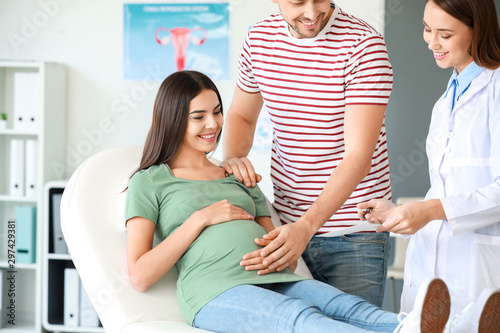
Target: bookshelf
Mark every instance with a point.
(56, 260)
(40, 88)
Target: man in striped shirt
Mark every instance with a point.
(325, 79)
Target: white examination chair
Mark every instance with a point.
(94, 230)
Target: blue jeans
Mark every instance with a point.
(307, 306)
(354, 263)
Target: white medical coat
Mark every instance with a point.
(463, 148)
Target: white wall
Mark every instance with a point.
(86, 36)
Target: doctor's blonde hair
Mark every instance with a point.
(481, 17)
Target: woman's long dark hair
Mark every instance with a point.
(170, 115)
(481, 17)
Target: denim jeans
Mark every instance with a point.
(354, 263)
(307, 306)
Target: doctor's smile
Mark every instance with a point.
(440, 56)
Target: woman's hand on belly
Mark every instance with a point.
(220, 212)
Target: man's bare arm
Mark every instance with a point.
(239, 130)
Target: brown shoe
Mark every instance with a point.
(431, 309)
(486, 316)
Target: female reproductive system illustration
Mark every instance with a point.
(180, 37)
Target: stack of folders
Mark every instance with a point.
(23, 168)
(27, 106)
(78, 309)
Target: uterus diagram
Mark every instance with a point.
(180, 37)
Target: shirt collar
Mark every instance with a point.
(464, 79)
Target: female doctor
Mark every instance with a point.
(456, 229)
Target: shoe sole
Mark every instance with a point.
(489, 321)
(436, 308)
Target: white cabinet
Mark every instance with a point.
(32, 152)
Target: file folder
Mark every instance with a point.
(27, 101)
(71, 297)
(16, 182)
(25, 234)
(30, 180)
(57, 236)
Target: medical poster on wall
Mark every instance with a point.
(165, 38)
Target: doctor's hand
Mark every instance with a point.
(376, 210)
(242, 169)
(287, 243)
(409, 218)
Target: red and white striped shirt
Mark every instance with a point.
(306, 84)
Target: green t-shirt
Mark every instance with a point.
(210, 265)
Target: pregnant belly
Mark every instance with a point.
(222, 245)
